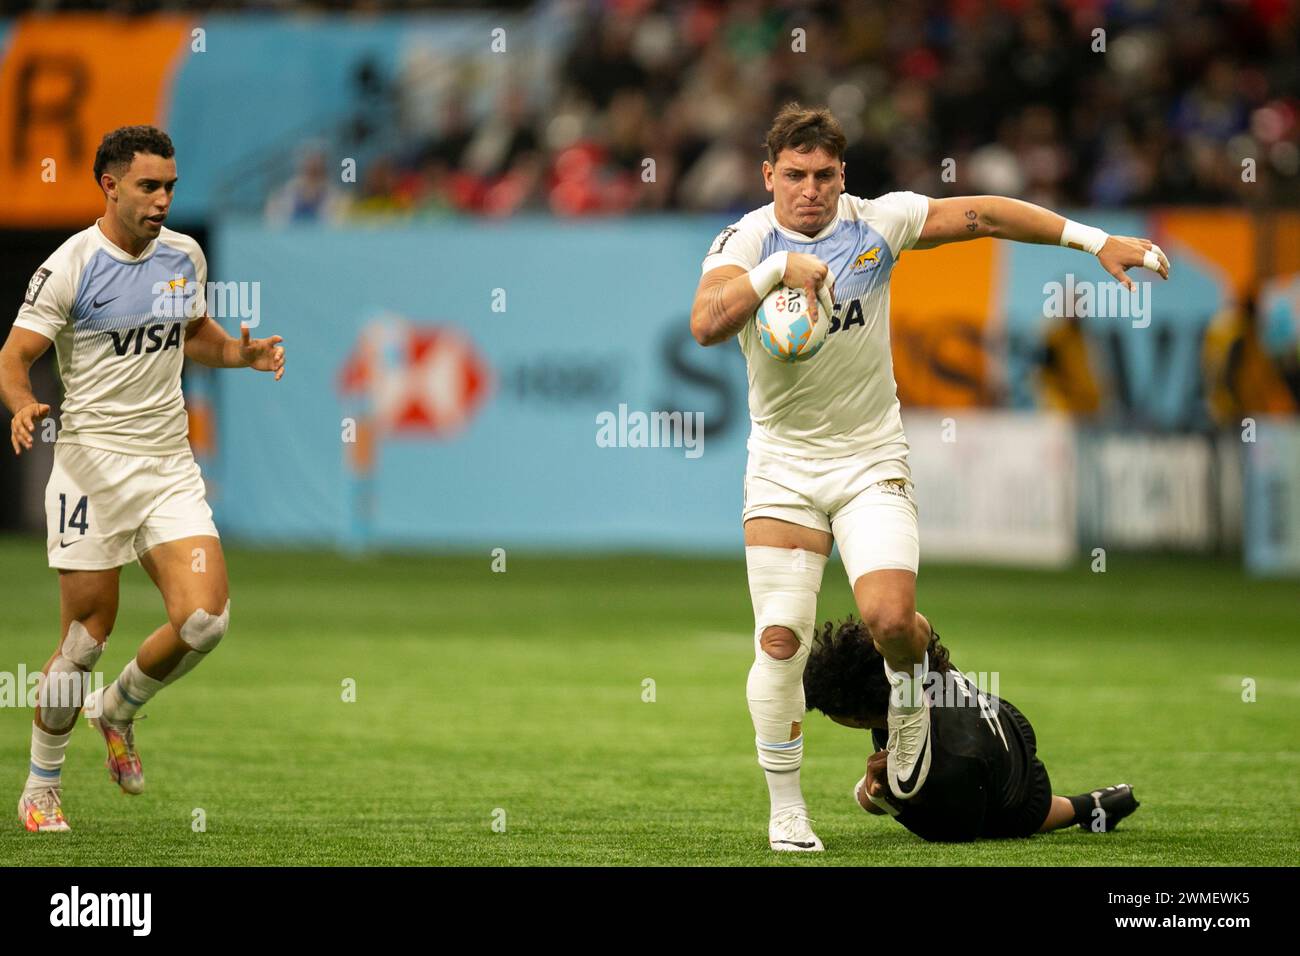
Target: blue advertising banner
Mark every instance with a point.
(531, 384)
(534, 383)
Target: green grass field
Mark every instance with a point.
(521, 692)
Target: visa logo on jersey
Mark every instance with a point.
(146, 339)
(846, 316)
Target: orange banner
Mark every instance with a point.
(65, 82)
(941, 303)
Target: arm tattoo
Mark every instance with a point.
(717, 311)
(973, 224)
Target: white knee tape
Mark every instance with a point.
(776, 701)
(204, 631)
(64, 686)
(783, 584)
(79, 647)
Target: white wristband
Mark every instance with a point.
(765, 276)
(1078, 236)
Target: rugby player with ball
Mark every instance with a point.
(827, 453)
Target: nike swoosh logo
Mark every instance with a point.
(906, 785)
(98, 304)
(68, 544)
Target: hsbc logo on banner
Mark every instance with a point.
(403, 380)
(415, 380)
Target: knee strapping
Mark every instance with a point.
(201, 633)
(783, 584)
(65, 684)
(79, 647)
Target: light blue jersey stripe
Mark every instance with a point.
(120, 295)
(857, 255)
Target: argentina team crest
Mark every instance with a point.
(867, 261)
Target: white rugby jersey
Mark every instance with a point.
(118, 327)
(844, 400)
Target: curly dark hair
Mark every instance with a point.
(845, 674)
(119, 147)
(804, 130)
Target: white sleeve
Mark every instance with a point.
(899, 217)
(740, 244)
(47, 304)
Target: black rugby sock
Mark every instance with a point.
(1082, 808)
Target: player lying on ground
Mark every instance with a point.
(124, 485)
(985, 777)
(828, 459)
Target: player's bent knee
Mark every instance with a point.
(779, 642)
(80, 647)
(97, 625)
(203, 630)
(889, 626)
(201, 633)
(783, 583)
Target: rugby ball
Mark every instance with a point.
(785, 327)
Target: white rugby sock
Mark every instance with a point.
(47, 759)
(129, 693)
(784, 790)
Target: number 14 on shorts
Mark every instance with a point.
(77, 519)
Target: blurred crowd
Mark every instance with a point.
(139, 7)
(658, 107)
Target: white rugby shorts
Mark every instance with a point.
(865, 501)
(104, 509)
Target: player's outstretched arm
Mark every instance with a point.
(21, 349)
(972, 217)
(207, 343)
